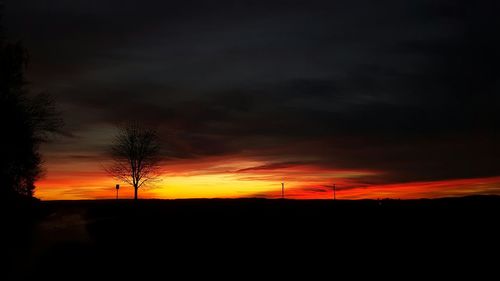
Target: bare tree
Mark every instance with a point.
(135, 154)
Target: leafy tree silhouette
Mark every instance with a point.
(26, 121)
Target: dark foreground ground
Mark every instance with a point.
(251, 238)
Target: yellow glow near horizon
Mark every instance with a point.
(209, 186)
(238, 177)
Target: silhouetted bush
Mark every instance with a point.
(25, 122)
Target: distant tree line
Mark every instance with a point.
(26, 121)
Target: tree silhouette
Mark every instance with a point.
(135, 154)
(26, 121)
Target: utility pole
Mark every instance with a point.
(334, 192)
(117, 188)
(282, 190)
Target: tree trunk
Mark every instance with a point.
(135, 192)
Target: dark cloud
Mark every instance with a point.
(272, 166)
(407, 88)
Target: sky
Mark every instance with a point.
(385, 99)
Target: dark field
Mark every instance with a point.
(216, 238)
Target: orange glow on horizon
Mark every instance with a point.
(219, 177)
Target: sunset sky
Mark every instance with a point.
(385, 99)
